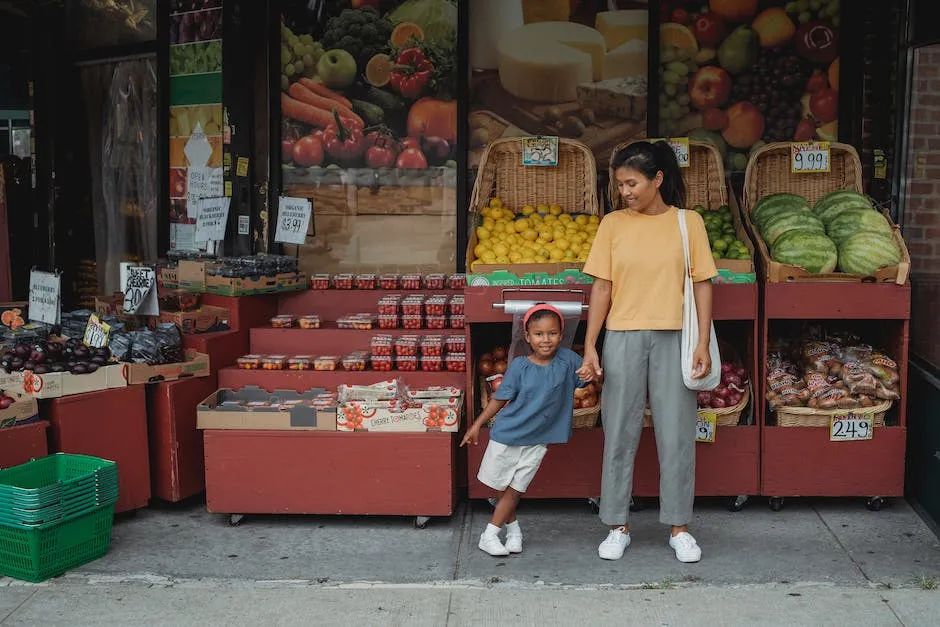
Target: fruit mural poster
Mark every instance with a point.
(571, 68)
(742, 73)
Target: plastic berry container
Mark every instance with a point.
(389, 305)
(343, 281)
(381, 345)
(458, 322)
(274, 362)
(320, 282)
(249, 362)
(362, 322)
(456, 343)
(389, 282)
(456, 362)
(412, 306)
(432, 363)
(435, 306)
(434, 281)
(300, 362)
(411, 282)
(326, 362)
(412, 322)
(455, 306)
(365, 281)
(282, 322)
(382, 363)
(389, 321)
(406, 346)
(457, 281)
(407, 363)
(355, 362)
(432, 346)
(436, 322)
(309, 322)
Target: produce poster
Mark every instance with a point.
(742, 73)
(570, 68)
(369, 129)
(195, 105)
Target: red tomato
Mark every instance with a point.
(308, 151)
(287, 151)
(412, 159)
(409, 142)
(380, 157)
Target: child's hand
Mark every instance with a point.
(471, 436)
(590, 369)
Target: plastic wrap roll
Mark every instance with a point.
(571, 310)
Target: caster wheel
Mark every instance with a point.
(737, 503)
(235, 520)
(875, 503)
(636, 505)
(421, 521)
(595, 505)
(776, 503)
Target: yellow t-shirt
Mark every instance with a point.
(641, 256)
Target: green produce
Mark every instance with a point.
(372, 114)
(363, 33)
(196, 58)
(337, 69)
(834, 203)
(773, 204)
(738, 52)
(800, 220)
(437, 18)
(810, 250)
(385, 100)
(865, 253)
(299, 57)
(853, 221)
(721, 234)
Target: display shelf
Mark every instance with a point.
(837, 301)
(223, 348)
(331, 304)
(22, 443)
(327, 340)
(301, 380)
(323, 472)
(245, 312)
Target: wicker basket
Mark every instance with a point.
(725, 417)
(580, 418)
(704, 178)
(809, 417)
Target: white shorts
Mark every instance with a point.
(510, 466)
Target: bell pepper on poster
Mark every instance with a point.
(412, 73)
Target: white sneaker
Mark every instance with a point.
(489, 542)
(514, 537)
(686, 548)
(616, 543)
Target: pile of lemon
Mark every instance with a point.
(541, 234)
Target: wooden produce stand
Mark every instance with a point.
(329, 472)
(801, 460)
(22, 443)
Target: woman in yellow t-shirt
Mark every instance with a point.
(638, 267)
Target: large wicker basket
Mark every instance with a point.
(580, 418)
(724, 417)
(768, 172)
(809, 417)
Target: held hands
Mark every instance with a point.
(590, 369)
(472, 436)
(701, 361)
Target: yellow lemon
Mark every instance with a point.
(500, 249)
(582, 257)
(563, 244)
(528, 259)
(496, 202)
(565, 218)
(489, 223)
(488, 256)
(581, 219)
(543, 209)
(479, 249)
(591, 228)
(496, 213)
(557, 254)
(528, 210)
(503, 259)
(555, 210)
(545, 234)
(569, 256)
(529, 235)
(483, 233)
(515, 257)
(594, 220)
(521, 225)
(510, 228)
(549, 220)
(575, 247)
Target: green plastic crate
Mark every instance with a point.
(49, 480)
(38, 553)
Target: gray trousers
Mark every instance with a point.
(634, 362)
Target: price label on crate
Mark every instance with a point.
(851, 427)
(680, 146)
(540, 151)
(293, 220)
(96, 332)
(706, 426)
(809, 157)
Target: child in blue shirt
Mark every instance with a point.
(541, 390)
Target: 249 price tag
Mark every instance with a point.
(706, 426)
(810, 157)
(851, 427)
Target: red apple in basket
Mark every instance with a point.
(709, 87)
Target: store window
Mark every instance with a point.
(101, 23)
(921, 202)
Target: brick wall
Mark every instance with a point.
(922, 202)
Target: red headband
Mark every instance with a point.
(542, 307)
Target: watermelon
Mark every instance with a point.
(781, 223)
(773, 204)
(811, 250)
(853, 221)
(832, 204)
(865, 253)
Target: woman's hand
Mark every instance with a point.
(590, 369)
(472, 436)
(701, 361)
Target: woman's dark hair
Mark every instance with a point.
(538, 315)
(650, 158)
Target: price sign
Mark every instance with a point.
(706, 426)
(212, 219)
(809, 157)
(293, 219)
(203, 183)
(680, 145)
(851, 427)
(540, 151)
(140, 294)
(45, 297)
(96, 332)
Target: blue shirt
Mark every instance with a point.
(541, 399)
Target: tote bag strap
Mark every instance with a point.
(684, 233)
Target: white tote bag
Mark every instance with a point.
(690, 326)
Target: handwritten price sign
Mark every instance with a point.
(96, 332)
(293, 220)
(851, 427)
(810, 157)
(140, 295)
(706, 426)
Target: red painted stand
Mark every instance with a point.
(20, 444)
(176, 453)
(798, 461)
(111, 424)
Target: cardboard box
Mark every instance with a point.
(191, 275)
(198, 320)
(236, 286)
(196, 365)
(56, 384)
(23, 409)
(227, 409)
(167, 277)
(442, 414)
(508, 278)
